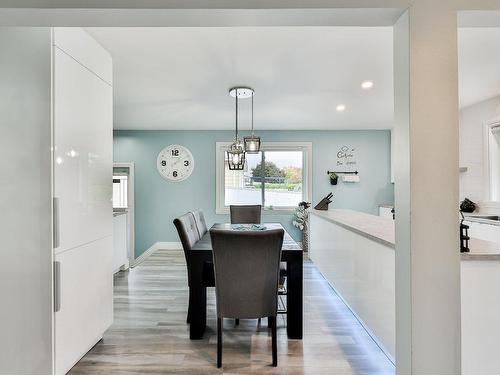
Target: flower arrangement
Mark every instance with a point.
(301, 221)
(301, 215)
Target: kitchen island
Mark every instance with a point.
(355, 252)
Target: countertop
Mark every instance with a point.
(482, 250)
(386, 205)
(470, 217)
(381, 230)
(376, 228)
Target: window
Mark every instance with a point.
(278, 177)
(493, 160)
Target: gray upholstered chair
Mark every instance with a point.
(246, 277)
(189, 235)
(201, 224)
(251, 214)
(245, 214)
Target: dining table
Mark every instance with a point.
(201, 254)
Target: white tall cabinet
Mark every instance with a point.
(82, 189)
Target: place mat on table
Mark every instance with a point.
(248, 227)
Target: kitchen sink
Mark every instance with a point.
(486, 217)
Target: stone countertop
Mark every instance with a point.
(386, 205)
(482, 250)
(470, 217)
(381, 230)
(376, 228)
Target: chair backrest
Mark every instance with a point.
(245, 214)
(246, 272)
(201, 224)
(188, 234)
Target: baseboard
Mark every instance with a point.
(169, 245)
(156, 246)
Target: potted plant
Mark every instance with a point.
(334, 178)
(301, 221)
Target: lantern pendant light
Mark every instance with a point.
(235, 156)
(252, 142)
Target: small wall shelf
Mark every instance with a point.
(328, 172)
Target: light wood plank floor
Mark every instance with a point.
(150, 336)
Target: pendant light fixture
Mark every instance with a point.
(252, 143)
(235, 156)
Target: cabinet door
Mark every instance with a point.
(82, 153)
(86, 301)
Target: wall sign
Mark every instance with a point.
(346, 157)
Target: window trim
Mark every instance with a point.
(306, 147)
(487, 192)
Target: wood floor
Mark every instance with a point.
(150, 335)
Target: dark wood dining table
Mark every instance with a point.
(291, 253)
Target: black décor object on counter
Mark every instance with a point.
(467, 206)
(464, 236)
(323, 204)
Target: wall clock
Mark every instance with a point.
(175, 163)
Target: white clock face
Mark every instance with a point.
(175, 163)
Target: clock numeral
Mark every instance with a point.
(163, 163)
(175, 152)
(174, 173)
(186, 163)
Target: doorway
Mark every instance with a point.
(123, 216)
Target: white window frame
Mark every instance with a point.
(305, 147)
(488, 203)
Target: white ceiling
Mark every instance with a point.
(479, 64)
(178, 78)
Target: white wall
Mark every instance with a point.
(25, 201)
(472, 119)
(427, 256)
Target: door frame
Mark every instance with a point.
(131, 209)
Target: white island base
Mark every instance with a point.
(355, 252)
(360, 269)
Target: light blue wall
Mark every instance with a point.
(158, 202)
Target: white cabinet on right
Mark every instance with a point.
(385, 211)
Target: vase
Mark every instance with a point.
(305, 235)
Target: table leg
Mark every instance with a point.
(295, 271)
(198, 300)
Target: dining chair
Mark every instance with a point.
(201, 224)
(246, 278)
(189, 235)
(245, 214)
(251, 214)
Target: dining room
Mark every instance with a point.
(231, 148)
(211, 188)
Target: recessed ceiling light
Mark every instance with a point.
(366, 85)
(340, 108)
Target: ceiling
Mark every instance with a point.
(178, 78)
(479, 64)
